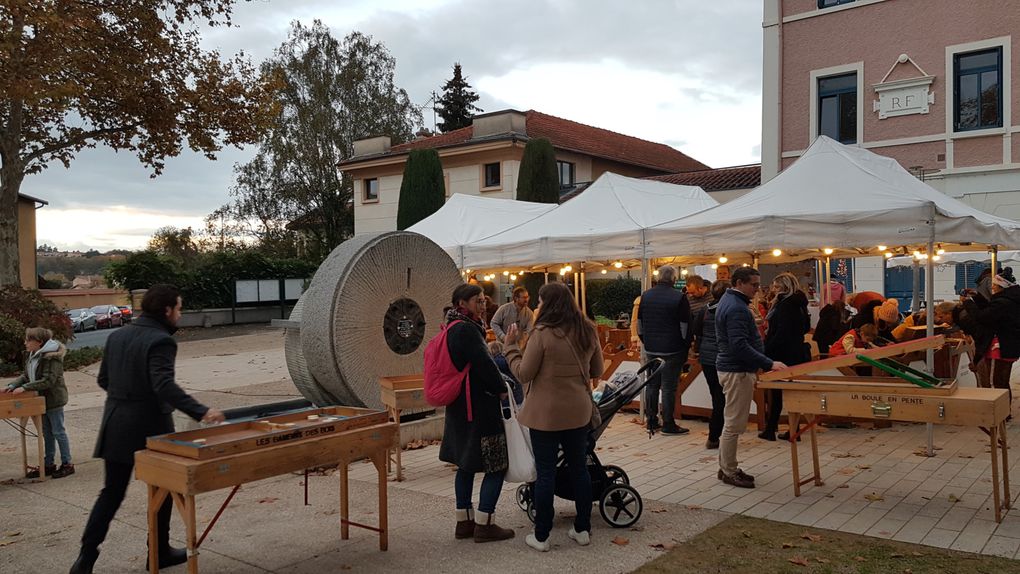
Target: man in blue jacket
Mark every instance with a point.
(741, 354)
(663, 317)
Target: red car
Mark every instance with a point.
(126, 314)
(108, 316)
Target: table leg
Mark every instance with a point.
(37, 420)
(383, 503)
(814, 451)
(1005, 465)
(399, 448)
(994, 438)
(345, 507)
(23, 421)
(155, 500)
(185, 504)
(794, 424)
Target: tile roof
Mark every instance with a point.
(577, 137)
(737, 177)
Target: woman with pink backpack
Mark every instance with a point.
(473, 436)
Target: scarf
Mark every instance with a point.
(462, 314)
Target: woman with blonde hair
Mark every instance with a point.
(562, 357)
(788, 321)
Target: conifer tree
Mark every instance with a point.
(457, 104)
(538, 180)
(422, 191)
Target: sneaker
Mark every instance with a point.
(737, 480)
(582, 538)
(674, 430)
(711, 444)
(536, 544)
(64, 470)
(786, 436)
(33, 471)
(739, 473)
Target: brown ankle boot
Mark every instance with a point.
(486, 531)
(465, 524)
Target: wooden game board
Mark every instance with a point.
(23, 406)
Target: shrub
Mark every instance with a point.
(538, 179)
(27, 308)
(83, 357)
(142, 270)
(422, 190)
(610, 297)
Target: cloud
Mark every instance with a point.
(682, 72)
(103, 229)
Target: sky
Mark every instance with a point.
(686, 73)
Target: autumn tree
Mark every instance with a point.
(538, 180)
(457, 104)
(331, 93)
(422, 189)
(127, 74)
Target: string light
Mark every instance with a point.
(683, 271)
(715, 266)
(513, 277)
(656, 272)
(521, 272)
(888, 255)
(777, 252)
(568, 268)
(827, 251)
(882, 248)
(940, 251)
(506, 273)
(743, 264)
(563, 271)
(604, 271)
(935, 257)
(618, 264)
(723, 259)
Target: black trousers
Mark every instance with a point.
(773, 409)
(715, 424)
(118, 477)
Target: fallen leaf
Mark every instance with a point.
(864, 466)
(845, 455)
(268, 500)
(965, 456)
(798, 560)
(708, 459)
(916, 553)
(811, 537)
(7, 543)
(621, 541)
(15, 533)
(788, 545)
(639, 454)
(874, 497)
(662, 546)
(895, 555)
(847, 470)
(747, 533)
(693, 507)
(419, 443)
(843, 486)
(659, 510)
(638, 529)
(908, 571)
(823, 560)
(860, 559)
(953, 498)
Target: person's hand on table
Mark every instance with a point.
(512, 335)
(18, 390)
(777, 365)
(213, 416)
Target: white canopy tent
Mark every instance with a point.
(465, 219)
(1002, 257)
(835, 196)
(613, 206)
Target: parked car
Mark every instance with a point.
(126, 313)
(108, 316)
(82, 320)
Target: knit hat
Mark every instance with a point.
(889, 311)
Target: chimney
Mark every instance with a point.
(499, 123)
(372, 146)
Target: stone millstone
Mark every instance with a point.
(372, 306)
(298, 368)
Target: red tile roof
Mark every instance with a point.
(573, 136)
(738, 177)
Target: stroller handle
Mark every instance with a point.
(654, 365)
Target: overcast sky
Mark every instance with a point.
(686, 73)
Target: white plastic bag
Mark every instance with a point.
(521, 459)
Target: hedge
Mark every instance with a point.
(610, 297)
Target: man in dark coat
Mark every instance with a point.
(996, 321)
(137, 374)
(665, 317)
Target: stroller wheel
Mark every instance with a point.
(616, 475)
(532, 511)
(523, 496)
(620, 505)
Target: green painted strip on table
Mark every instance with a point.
(895, 372)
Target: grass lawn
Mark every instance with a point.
(752, 545)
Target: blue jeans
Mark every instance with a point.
(464, 484)
(546, 445)
(53, 428)
(667, 381)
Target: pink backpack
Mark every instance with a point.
(442, 379)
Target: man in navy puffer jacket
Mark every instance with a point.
(664, 318)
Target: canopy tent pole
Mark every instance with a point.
(929, 297)
(915, 303)
(545, 275)
(995, 259)
(584, 293)
(828, 274)
(818, 281)
(754, 260)
(577, 292)
(645, 271)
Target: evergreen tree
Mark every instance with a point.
(422, 191)
(457, 104)
(538, 180)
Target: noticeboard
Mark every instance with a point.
(268, 290)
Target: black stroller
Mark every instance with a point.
(619, 504)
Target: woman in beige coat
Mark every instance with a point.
(562, 356)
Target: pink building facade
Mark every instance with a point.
(934, 84)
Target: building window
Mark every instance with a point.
(566, 171)
(837, 107)
(977, 90)
(371, 192)
(831, 3)
(491, 174)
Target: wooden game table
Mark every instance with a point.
(23, 406)
(809, 398)
(185, 464)
(398, 394)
